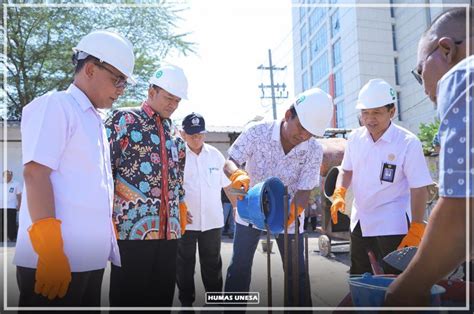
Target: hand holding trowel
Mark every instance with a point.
(400, 258)
(240, 183)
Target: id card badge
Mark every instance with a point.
(174, 153)
(388, 172)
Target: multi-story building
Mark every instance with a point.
(340, 45)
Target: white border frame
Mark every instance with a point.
(338, 5)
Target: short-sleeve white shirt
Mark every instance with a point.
(13, 188)
(382, 206)
(260, 148)
(63, 131)
(203, 180)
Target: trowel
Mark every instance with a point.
(400, 259)
(238, 192)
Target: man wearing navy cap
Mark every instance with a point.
(203, 180)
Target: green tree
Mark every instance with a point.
(40, 39)
(426, 135)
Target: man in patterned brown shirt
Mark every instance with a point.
(148, 157)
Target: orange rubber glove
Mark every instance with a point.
(291, 217)
(240, 179)
(338, 203)
(183, 216)
(115, 230)
(53, 273)
(414, 235)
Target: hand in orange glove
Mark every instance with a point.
(338, 203)
(291, 217)
(53, 273)
(240, 179)
(414, 235)
(185, 217)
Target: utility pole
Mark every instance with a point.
(282, 93)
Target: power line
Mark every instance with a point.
(280, 88)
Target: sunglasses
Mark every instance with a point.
(120, 80)
(418, 71)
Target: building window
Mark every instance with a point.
(336, 53)
(319, 69)
(340, 114)
(316, 17)
(333, 1)
(394, 40)
(325, 86)
(304, 58)
(302, 10)
(303, 34)
(335, 25)
(318, 42)
(304, 81)
(338, 83)
(395, 62)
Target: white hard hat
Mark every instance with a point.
(109, 47)
(376, 93)
(172, 79)
(315, 109)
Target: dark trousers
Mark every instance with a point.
(84, 289)
(381, 246)
(239, 272)
(12, 228)
(147, 276)
(304, 289)
(209, 244)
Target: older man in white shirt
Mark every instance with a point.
(203, 180)
(66, 235)
(386, 167)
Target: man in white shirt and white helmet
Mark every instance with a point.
(386, 167)
(66, 235)
(288, 150)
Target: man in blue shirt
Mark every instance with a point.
(446, 73)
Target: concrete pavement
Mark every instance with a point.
(328, 276)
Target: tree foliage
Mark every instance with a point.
(40, 41)
(427, 136)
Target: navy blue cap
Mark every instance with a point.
(194, 123)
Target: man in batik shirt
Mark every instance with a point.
(148, 157)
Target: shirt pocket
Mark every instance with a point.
(214, 174)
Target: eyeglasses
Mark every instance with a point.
(120, 81)
(418, 71)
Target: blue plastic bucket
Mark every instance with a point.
(251, 208)
(368, 290)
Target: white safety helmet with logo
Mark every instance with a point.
(110, 47)
(376, 93)
(315, 110)
(172, 79)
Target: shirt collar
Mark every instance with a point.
(276, 130)
(387, 136)
(204, 149)
(152, 114)
(276, 136)
(80, 97)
